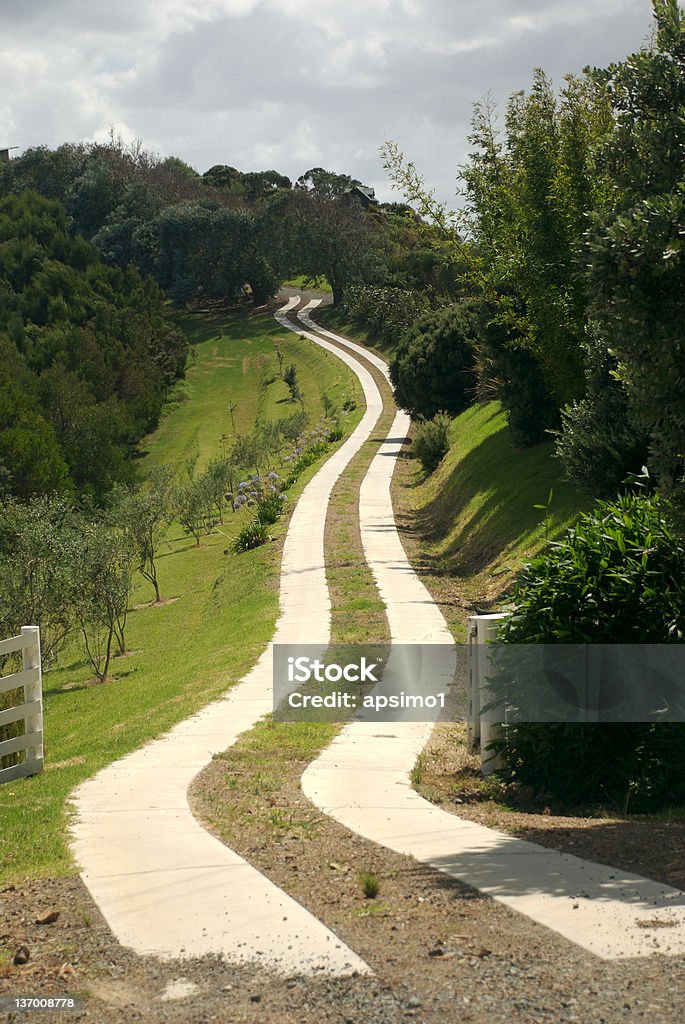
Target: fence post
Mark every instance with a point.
(34, 691)
(490, 722)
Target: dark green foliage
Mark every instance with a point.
(510, 371)
(387, 313)
(432, 441)
(529, 186)
(433, 369)
(617, 577)
(40, 556)
(87, 356)
(312, 233)
(290, 378)
(601, 442)
(210, 252)
(635, 254)
(270, 508)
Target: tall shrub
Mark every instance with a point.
(617, 577)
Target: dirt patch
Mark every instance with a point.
(162, 601)
(438, 948)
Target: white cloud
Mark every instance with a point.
(287, 83)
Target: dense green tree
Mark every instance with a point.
(40, 563)
(325, 184)
(433, 370)
(88, 355)
(211, 252)
(635, 253)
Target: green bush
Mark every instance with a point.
(253, 535)
(434, 365)
(385, 312)
(617, 577)
(432, 441)
(270, 508)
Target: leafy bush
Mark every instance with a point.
(432, 441)
(250, 536)
(617, 577)
(507, 370)
(531, 412)
(387, 313)
(600, 442)
(291, 379)
(270, 508)
(434, 365)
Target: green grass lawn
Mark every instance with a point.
(320, 284)
(188, 651)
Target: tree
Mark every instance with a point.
(103, 590)
(211, 252)
(40, 562)
(325, 184)
(317, 236)
(635, 254)
(433, 369)
(145, 516)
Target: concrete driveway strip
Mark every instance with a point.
(166, 886)
(362, 780)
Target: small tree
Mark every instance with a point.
(145, 517)
(103, 592)
(290, 378)
(39, 561)
(433, 369)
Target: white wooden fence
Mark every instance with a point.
(31, 711)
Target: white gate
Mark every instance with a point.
(29, 680)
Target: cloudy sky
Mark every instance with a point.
(290, 84)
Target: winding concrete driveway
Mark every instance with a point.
(167, 887)
(164, 884)
(362, 779)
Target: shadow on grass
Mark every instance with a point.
(491, 493)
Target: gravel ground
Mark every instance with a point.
(440, 952)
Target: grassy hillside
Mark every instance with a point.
(235, 360)
(470, 524)
(222, 609)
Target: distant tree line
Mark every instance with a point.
(226, 233)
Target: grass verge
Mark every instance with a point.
(468, 526)
(247, 787)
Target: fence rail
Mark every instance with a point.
(30, 711)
